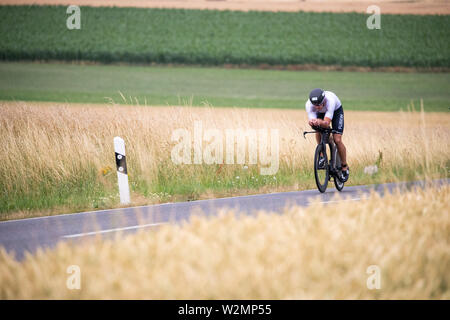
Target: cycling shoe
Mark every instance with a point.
(344, 174)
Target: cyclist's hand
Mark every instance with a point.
(314, 123)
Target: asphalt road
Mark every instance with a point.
(20, 236)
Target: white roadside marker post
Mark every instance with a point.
(122, 175)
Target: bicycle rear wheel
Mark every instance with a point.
(338, 183)
(321, 175)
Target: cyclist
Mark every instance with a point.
(323, 108)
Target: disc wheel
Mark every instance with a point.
(338, 183)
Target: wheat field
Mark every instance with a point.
(319, 252)
(63, 151)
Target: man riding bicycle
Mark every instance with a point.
(323, 108)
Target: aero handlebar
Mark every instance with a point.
(317, 129)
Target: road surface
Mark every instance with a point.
(20, 236)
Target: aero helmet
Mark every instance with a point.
(316, 96)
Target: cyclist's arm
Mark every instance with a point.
(312, 116)
(325, 123)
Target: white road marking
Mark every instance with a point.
(112, 230)
(109, 211)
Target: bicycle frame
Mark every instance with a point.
(324, 140)
(334, 156)
(334, 161)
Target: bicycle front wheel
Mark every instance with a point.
(321, 174)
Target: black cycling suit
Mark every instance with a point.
(337, 123)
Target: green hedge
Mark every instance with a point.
(221, 37)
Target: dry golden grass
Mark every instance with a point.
(321, 252)
(44, 145)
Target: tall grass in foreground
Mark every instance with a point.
(321, 252)
(57, 157)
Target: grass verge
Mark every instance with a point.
(59, 158)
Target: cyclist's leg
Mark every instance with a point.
(318, 135)
(341, 149)
(344, 173)
(338, 130)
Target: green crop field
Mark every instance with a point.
(220, 37)
(371, 91)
